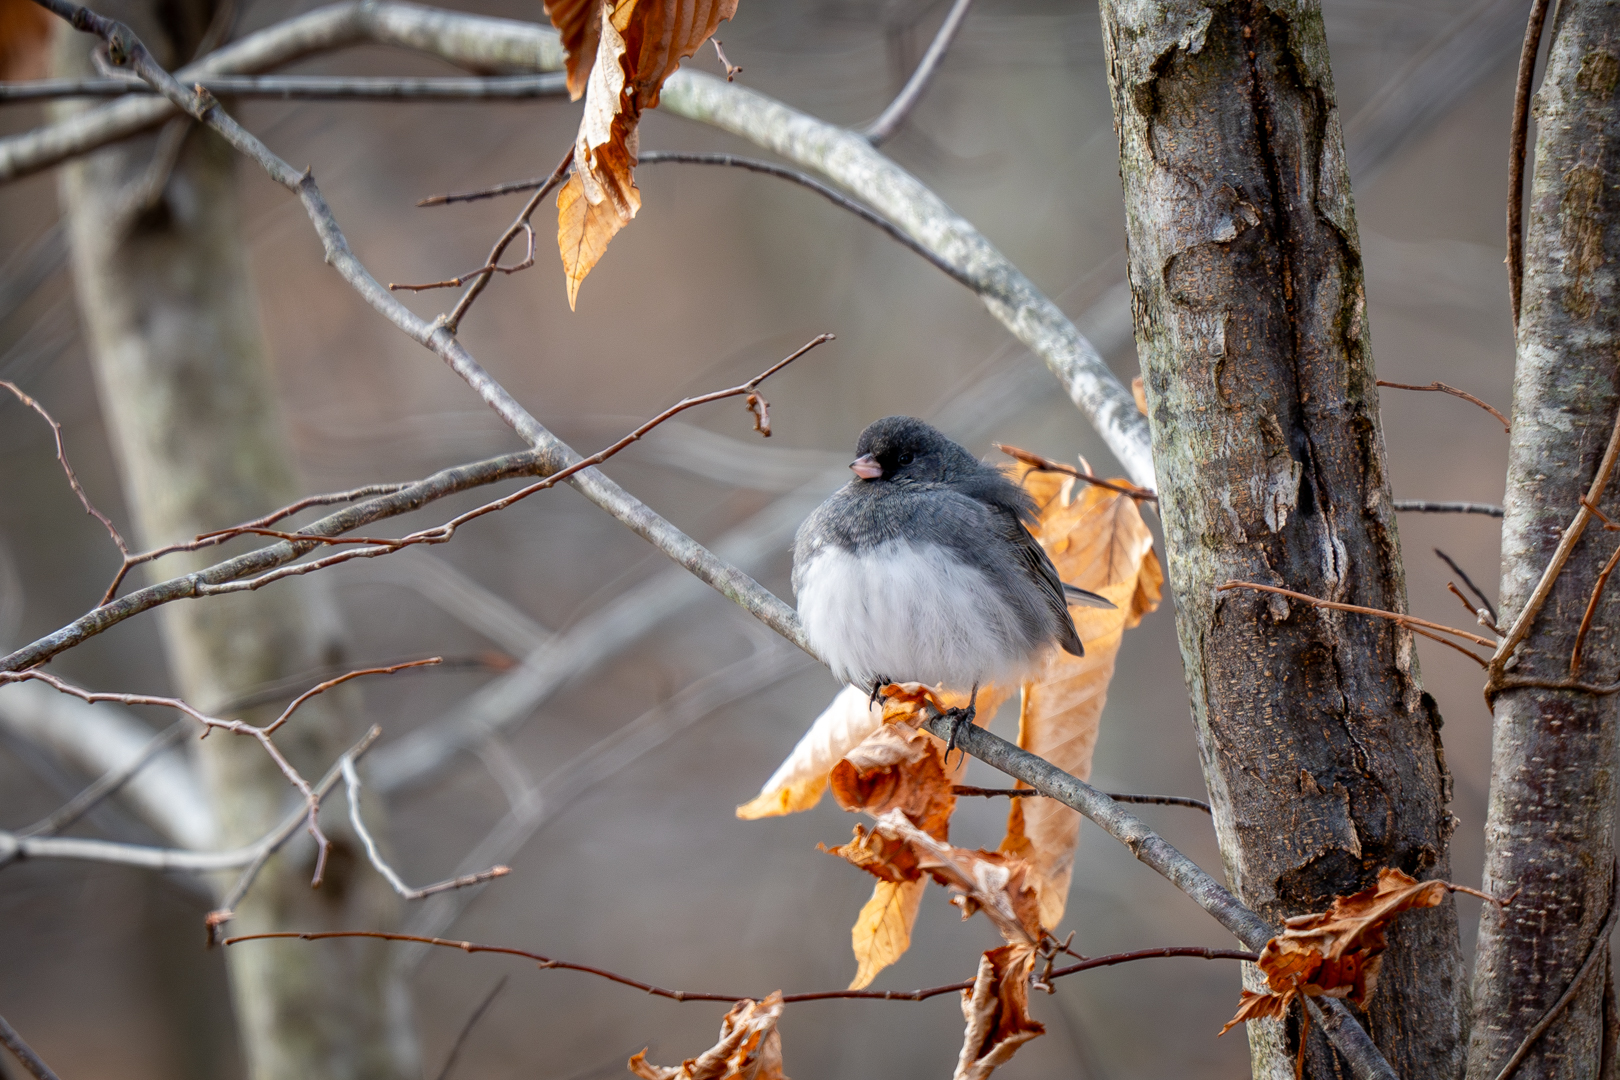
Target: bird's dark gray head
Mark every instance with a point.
(901, 448)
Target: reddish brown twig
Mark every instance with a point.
(1478, 613)
(219, 536)
(787, 999)
(1044, 464)
(1410, 621)
(732, 70)
(1479, 594)
(519, 224)
(312, 800)
(1516, 152)
(439, 534)
(1591, 609)
(489, 268)
(61, 457)
(1454, 392)
(322, 688)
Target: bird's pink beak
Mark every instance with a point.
(866, 467)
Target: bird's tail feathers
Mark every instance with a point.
(1085, 597)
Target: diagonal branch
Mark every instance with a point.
(883, 128)
(310, 88)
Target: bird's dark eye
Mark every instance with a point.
(904, 459)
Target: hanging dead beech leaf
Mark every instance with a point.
(25, 39)
(844, 724)
(1335, 953)
(997, 1012)
(750, 1048)
(1098, 541)
(619, 52)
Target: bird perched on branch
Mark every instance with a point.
(922, 569)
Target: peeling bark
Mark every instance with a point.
(1550, 828)
(1320, 749)
(186, 391)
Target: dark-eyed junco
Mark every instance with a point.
(921, 569)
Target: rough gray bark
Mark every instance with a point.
(1551, 819)
(185, 388)
(1320, 749)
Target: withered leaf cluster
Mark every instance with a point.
(619, 52)
(1335, 953)
(876, 760)
(750, 1048)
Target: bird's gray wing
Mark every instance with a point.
(1032, 561)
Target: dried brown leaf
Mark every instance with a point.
(634, 46)
(1337, 953)
(882, 931)
(25, 39)
(1253, 1006)
(750, 1048)
(897, 767)
(997, 1012)
(1139, 392)
(1098, 541)
(987, 881)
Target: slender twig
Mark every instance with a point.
(24, 1053)
(310, 88)
(883, 128)
(61, 458)
(439, 534)
(1454, 392)
(489, 268)
(520, 224)
(1045, 464)
(1469, 582)
(1598, 952)
(1478, 613)
(322, 688)
(1517, 143)
(1409, 621)
(219, 536)
(1591, 610)
(472, 1022)
(351, 780)
(1120, 797)
(1424, 506)
(1555, 566)
(547, 962)
(1511, 682)
(107, 784)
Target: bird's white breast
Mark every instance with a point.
(908, 612)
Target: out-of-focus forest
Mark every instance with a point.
(643, 868)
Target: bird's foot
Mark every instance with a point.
(877, 689)
(959, 718)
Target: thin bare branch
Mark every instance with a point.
(1591, 610)
(481, 276)
(321, 688)
(1484, 600)
(466, 1028)
(24, 1053)
(310, 88)
(1423, 506)
(107, 785)
(1410, 621)
(1454, 392)
(1516, 151)
(732, 70)
(61, 458)
(1555, 566)
(351, 779)
(488, 268)
(1119, 797)
(547, 962)
(883, 128)
(1045, 464)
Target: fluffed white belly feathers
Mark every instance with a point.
(909, 613)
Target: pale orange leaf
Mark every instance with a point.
(798, 782)
(1098, 541)
(882, 931)
(997, 1012)
(25, 39)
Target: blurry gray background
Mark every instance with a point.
(648, 872)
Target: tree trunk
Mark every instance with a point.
(1321, 751)
(1551, 819)
(186, 391)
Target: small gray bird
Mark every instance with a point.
(922, 569)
